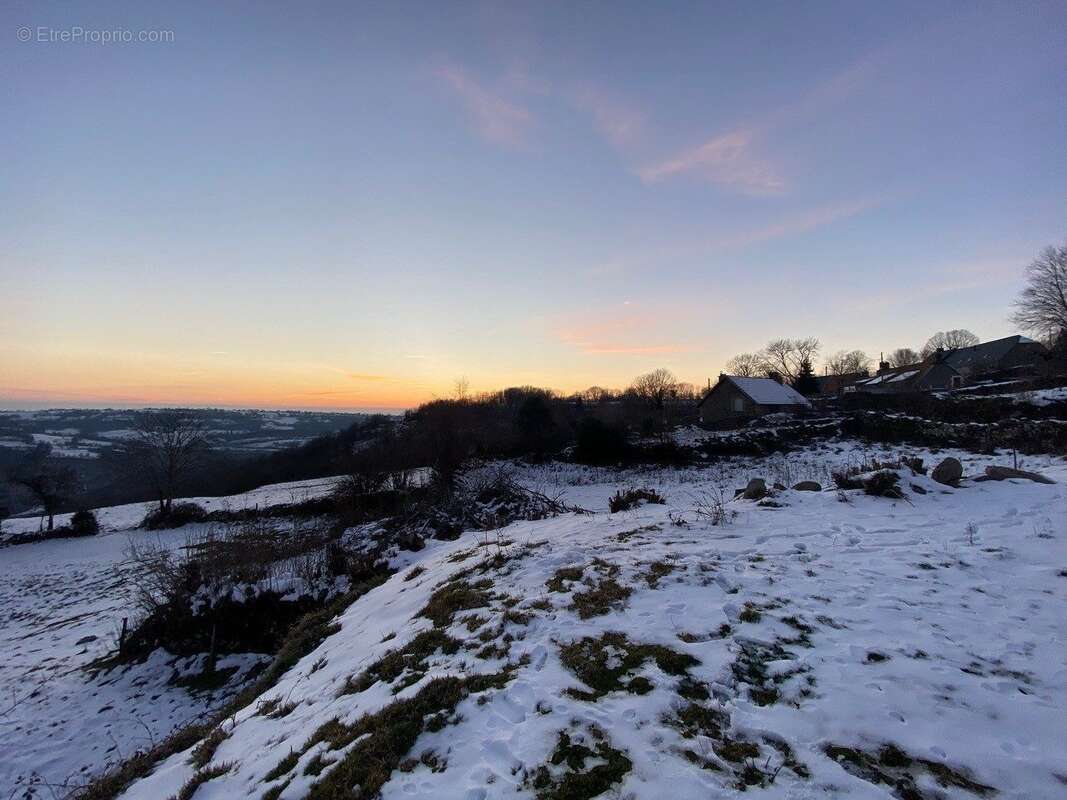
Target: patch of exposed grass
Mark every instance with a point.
(750, 613)
(656, 571)
(414, 572)
(205, 751)
(735, 751)
(412, 659)
(603, 664)
(891, 766)
(453, 597)
(563, 576)
(694, 719)
(275, 708)
(569, 777)
(387, 736)
(750, 668)
(601, 598)
(201, 777)
(283, 767)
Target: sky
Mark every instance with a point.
(353, 205)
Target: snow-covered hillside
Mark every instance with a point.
(129, 515)
(823, 645)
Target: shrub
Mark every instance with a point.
(84, 523)
(624, 501)
(600, 444)
(178, 515)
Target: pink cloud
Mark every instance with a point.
(495, 118)
(625, 333)
(619, 123)
(729, 160)
(792, 225)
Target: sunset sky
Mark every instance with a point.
(351, 205)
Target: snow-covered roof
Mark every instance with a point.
(903, 376)
(768, 392)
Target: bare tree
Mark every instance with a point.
(847, 362)
(902, 357)
(596, 394)
(1042, 306)
(785, 356)
(461, 390)
(655, 387)
(166, 448)
(949, 340)
(51, 483)
(746, 365)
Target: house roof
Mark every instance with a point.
(985, 355)
(765, 391)
(900, 376)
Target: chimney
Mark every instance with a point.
(883, 367)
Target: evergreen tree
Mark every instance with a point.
(805, 382)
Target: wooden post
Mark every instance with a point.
(122, 636)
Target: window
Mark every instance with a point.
(957, 381)
(739, 404)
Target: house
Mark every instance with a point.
(734, 399)
(922, 377)
(1011, 354)
(833, 385)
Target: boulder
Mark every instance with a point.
(948, 472)
(995, 473)
(756, 489)
(807, 486)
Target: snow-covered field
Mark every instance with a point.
(816, 647)
(128, 516)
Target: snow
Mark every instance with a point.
(61, 607)
(769, 392)
(903, 376)
(129, 516)
(961, 590)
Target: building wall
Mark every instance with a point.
(725, 402)
(939, 376)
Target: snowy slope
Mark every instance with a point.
(933, 624)
(125, 517)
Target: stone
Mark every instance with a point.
(807, 486)
(948, 472)
(995, 473)
(756, 489)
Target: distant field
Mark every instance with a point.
(84, 434)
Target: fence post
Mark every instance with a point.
(122, 636)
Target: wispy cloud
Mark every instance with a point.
(792, 225)
(627, 332)
(495, 118)
(360, 376)
(621, 124)
(729, 160)
(737, 159)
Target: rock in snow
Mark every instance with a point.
(756, 489)
(996, 473)
(948, 472)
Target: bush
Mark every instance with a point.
(179, 514)
(84, 523)
(624, 501)
(600, 444)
